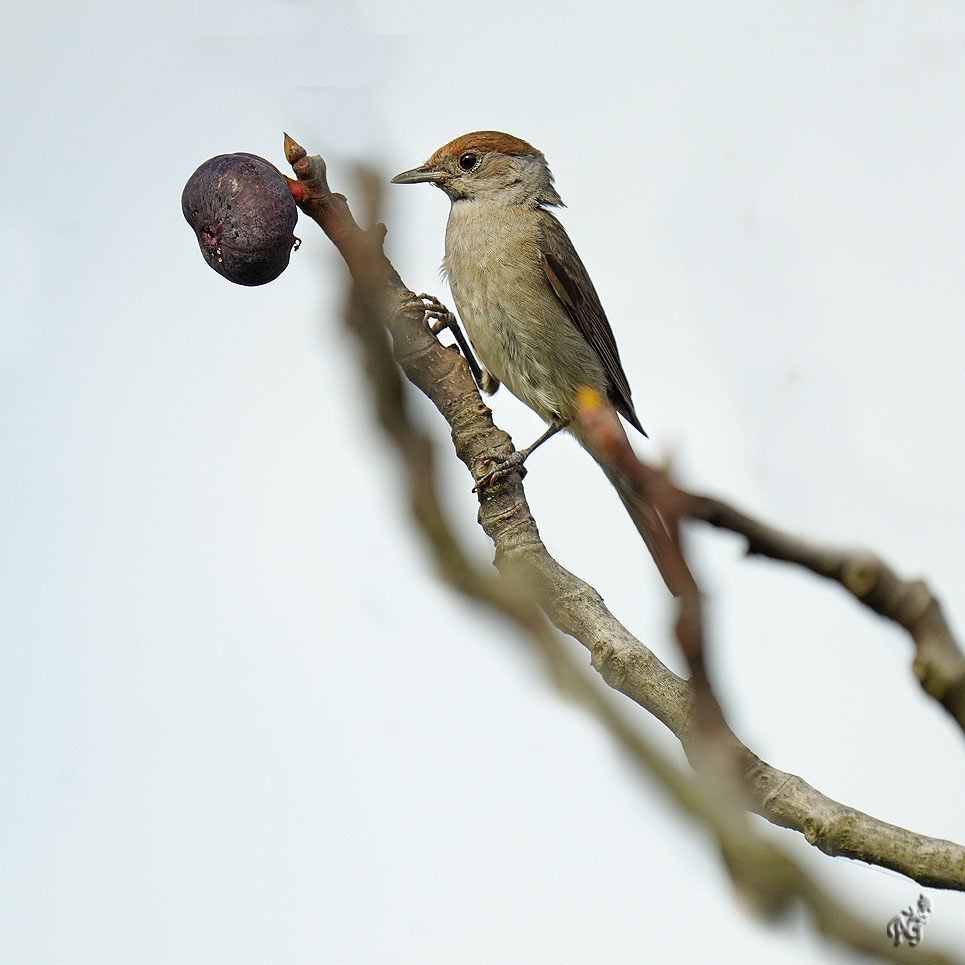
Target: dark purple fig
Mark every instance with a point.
(243, 213)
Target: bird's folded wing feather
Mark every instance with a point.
(572, 285)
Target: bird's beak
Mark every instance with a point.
(418, 175)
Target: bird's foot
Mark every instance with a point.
(500, 469)
(439, 318)
(515, 462)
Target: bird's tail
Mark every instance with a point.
(647, 521)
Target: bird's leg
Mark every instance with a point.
(443, 318)
(516, 460)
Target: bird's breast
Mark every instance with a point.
(492, 259)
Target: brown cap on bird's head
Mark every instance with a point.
(483, 141)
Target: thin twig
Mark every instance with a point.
(939, 663)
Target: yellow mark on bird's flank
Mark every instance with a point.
(588, 399)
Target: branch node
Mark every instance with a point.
(861, 574)
(599, 655)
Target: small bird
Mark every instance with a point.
(527, 303)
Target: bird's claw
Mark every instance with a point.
(442, 318)
(432, 308)
(513, 464)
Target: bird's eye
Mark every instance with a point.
(468, 161)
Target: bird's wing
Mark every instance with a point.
(571, 283)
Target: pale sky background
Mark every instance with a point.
(240, 722)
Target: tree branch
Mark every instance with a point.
(760, 871)
(939, 663)
(571, 604)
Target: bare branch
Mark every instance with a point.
(781, 798)
(760, 871)
(571, 604)
(939, 663)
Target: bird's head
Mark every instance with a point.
(490, 166)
